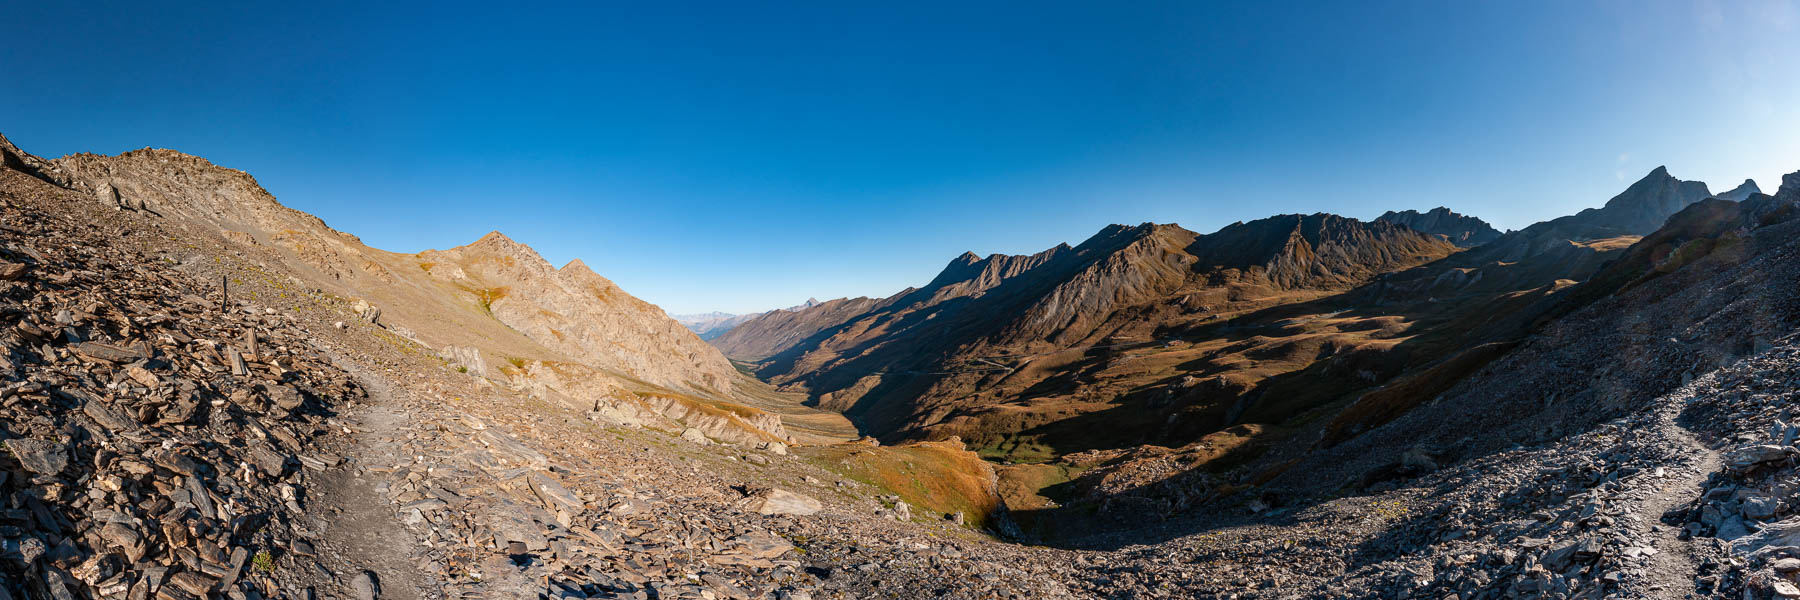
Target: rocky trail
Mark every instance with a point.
(357, 521)
(1676, 566)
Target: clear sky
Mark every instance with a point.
(742, 156)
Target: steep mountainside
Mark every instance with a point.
(571, 311)
(492, 309)
(996, 345)
(772, 332)
(1463, 230)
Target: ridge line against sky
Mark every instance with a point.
(726, 157)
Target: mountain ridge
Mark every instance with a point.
(1463, 230)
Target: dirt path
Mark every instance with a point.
(361, 531)
(1675, 567)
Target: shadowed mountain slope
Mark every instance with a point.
(962, 355)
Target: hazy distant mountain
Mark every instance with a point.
(1462, 230)
(1741, 192)
(714, 324)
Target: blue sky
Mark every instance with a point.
(742, 156)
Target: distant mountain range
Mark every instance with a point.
(714, 324)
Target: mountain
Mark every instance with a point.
(714, 324)
(493, 308)
(1257, 339)
(1637, 211)
(689, 319)
(1462, 230)
(766, 334)
(1742, 192)
(962, 355)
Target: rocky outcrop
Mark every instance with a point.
(1463, 230)
(581, 387)
(11, 157)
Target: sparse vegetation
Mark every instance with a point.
(486, 297)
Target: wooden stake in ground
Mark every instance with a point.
(224, 291)
(237, 361)
(250, 344)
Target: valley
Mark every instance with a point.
(1417, 405)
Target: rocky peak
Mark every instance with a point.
(1643, 207)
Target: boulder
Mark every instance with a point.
(111, 353)
(39, 456)
(1785, 532)
(776, 501)
(763, 545)
(1749, 457)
